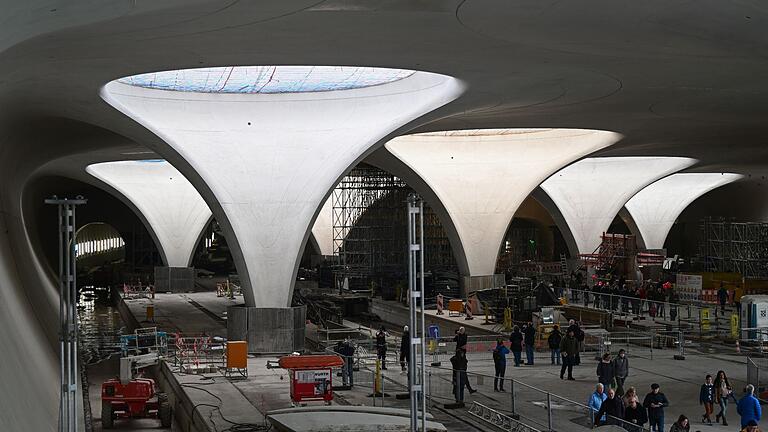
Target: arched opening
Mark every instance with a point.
(370, 237)
(101, 254)
(533, 236)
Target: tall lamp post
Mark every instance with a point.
(416, 371)
(67, 310)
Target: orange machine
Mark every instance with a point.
(455, 306)
(237, 358)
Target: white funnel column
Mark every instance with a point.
(322, 230)
(174, 210)
(482, 176)
(656, 208)
(271, 159)
(590, 192)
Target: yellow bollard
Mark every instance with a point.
(508, 319)
(150, 313)
(377, 379)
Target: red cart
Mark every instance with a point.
(311, 376)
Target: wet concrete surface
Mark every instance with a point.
(100, 329)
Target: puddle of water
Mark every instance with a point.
(100, 328)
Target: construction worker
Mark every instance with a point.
(381, 347)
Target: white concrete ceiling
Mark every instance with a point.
(171, 206)
(589, 193)
(655, 208)
(482, 176)
(271, 160)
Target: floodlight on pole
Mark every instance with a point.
(67, 310)
(416, 371)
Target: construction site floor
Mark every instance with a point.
(265, 389)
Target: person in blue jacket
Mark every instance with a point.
(596, 400)
(749, 407)
(500, 364)
(707, 398)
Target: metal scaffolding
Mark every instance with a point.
(370, 230)
(67, 311)
(739, 247)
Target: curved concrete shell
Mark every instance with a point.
(590, 192)
(656, 208)
(322, 230)
(482, 176)
(270, 160)
(172, 207)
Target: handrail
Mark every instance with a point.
(515, 383)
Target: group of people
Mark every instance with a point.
(618, 294)
(718, 391)
(523, 339)
(610, 407)
(405, 348)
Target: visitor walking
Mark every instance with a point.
(578, 333)
(554, 339)
(634, 414)
(381, 347)
(612, 409)
(347, 352)
(569, 348)
(595, 401)
(605, 372)
(530, 341)
(674, 300)
(405, 349)
(461, 338)
(723, 391)
(621, 370)
(655, 402)
(749, 407)
(707, 398)
(458, 364)
(516, 344)
(681, 425)
(499, 364)
(722, 297)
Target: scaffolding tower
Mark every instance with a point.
(370, 230)
(738, 247)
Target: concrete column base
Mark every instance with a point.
(174, 279)
(268, 330)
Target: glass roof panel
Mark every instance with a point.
(267, 79)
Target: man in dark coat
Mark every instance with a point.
(554, 344)
(461, 338)
(516, 344)
(612, 408)
(655, 402)
(405, 349)
(635, 414)
(381, 347)
(530, 342)
(569, 347)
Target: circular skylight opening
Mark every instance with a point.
(267, 79)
